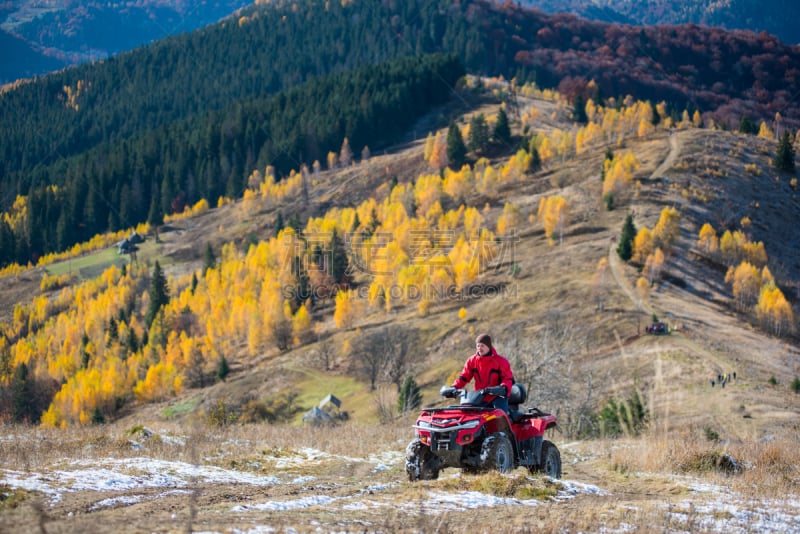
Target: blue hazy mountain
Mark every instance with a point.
(38, 37)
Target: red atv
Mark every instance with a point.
(477, 437)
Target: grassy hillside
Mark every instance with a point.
(541, 289)
(573, 354)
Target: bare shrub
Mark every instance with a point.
(384, 353)
(386, 404)
(542, 362)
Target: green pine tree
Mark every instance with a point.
(159, 294)
(579, 110)
(536, 160)
(456, 151)
(339, 261)
(410, 396)
(784, 158)
(23, 407)
(223, 369)
(747, 126)
(625, 246)
(478, 138)
(155, 216)
(113, 331)
(502, 131)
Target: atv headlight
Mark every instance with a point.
(423, 425)
(470, 424)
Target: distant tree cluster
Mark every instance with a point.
(753, 285)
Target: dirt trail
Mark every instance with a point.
(614, 261)
(669, 161)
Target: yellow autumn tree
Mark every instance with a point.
(428, 147)
(509, 220)
(302, 327)
(755, 253)
(438, 157)
(708, 241)
(697, 119)
(667, 229)
(458, 184)
(745, 280)
(553, 212)
(653, 266)
(643, 290)
(774, 311)
(731, 246)
(642, 245)
(347, 308)
(427, 192)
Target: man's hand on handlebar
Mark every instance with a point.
(448, 391)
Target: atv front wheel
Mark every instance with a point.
(551, 460)
(421, 463)
(497, 453)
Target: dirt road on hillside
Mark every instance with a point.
(614, 261)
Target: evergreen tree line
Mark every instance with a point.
(279, 47)
(158, 172)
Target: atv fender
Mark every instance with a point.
(499, 424)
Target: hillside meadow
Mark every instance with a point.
(175, 454)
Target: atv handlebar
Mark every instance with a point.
(451, 392)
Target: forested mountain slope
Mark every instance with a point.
(723, 75)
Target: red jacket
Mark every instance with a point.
(489, 370)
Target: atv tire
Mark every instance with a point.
(497, 453)
(421, 464)
(551, 461)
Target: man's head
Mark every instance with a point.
(483, 343)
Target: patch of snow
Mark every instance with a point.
(132, 499)
(734, 515)
(572, 488)
(129, 474)
(702, 487)
(441, 501)
(282, 506)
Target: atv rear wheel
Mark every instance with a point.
(421, 463)
(497, 453)
(551, 460)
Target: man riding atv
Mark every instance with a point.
(489, 370)
(487, 429)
